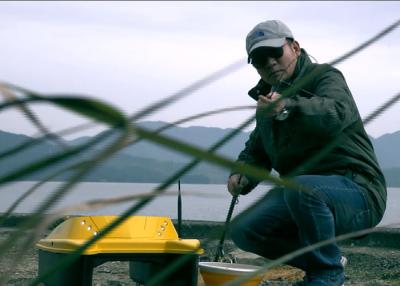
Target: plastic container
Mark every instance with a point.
(137, 234)
(218, 273)
(149, 243)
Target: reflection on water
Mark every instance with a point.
(199, 202)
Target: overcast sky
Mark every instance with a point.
(131, 54)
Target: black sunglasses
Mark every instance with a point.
(258, 58)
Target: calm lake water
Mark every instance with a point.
(199, 202)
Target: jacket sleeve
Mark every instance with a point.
(253, 154)
(329, 110)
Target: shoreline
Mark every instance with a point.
(388, 237)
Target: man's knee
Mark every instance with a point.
(269, 247)
(240, 235)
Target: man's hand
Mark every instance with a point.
(264, 101)
(236, 183)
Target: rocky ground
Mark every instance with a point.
(374, 260)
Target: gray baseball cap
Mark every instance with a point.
(272, 33)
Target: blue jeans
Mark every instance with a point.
(286, 220)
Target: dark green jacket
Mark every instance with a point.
(322, 114)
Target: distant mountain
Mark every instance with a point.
(203, 137)
(386, 148)
(148, 162)
(122, 167)
(392, 176)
